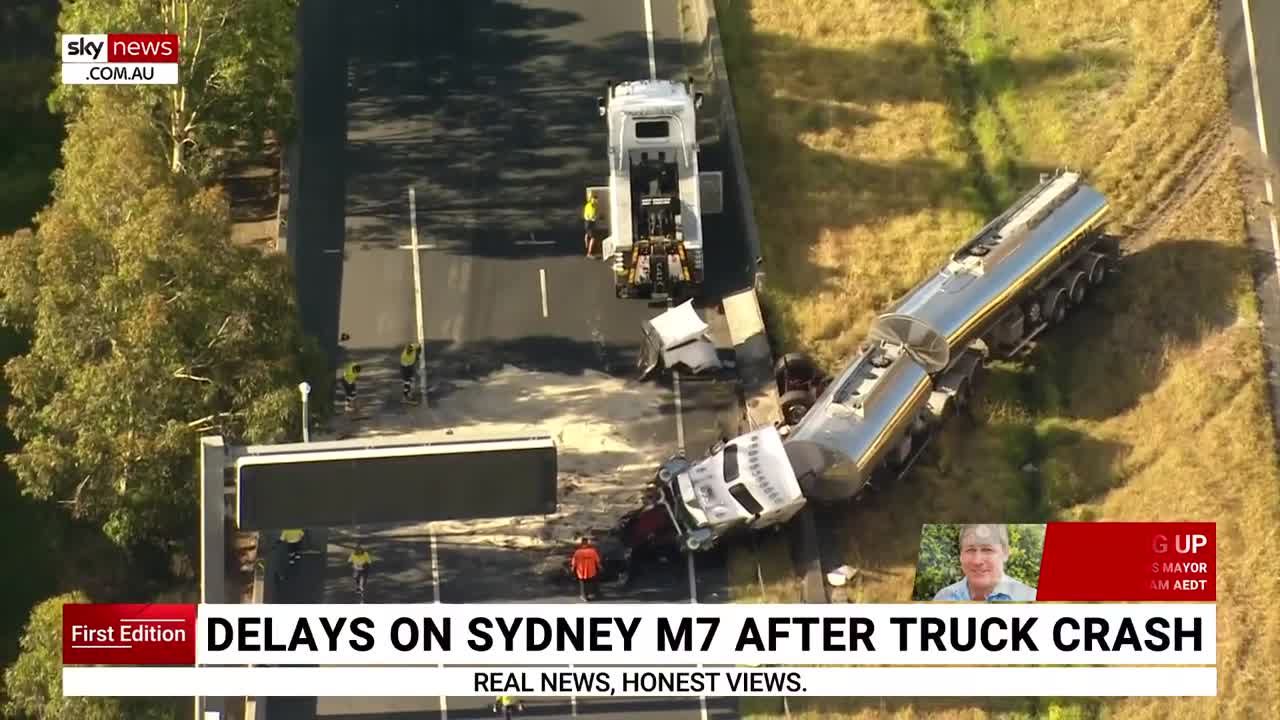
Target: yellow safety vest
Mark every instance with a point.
(506, 701)
(360, 560)
(589, 210)
(292, 536)
(408, 357)
(350, 373)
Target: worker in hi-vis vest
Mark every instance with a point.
(292, 539)
(360, 561)
(349, 377)
(505, 704)
(590, 212)
(408, 367)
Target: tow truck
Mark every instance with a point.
(655, 199)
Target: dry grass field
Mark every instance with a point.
(880, 135)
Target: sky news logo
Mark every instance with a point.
(120, 59)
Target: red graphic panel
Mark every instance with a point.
(1122, 562)
(128, 634)
(142, 48)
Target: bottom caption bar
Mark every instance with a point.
(641, 682)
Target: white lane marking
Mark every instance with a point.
(693, 575)
(1262, 135)
(435, 591)
(417, 295)
(421, 246)
(693, 598)
(675, 375)
(435, 565)
(1253, 70)
(542, 280)
(573, 699)
(332, 251)
(648, 31)
(693, 583)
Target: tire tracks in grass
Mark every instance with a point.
(947, 20)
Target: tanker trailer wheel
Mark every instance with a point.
(1056, 305)
(1079, 288)
(1098, 272)
(795, 404)
(793, 371)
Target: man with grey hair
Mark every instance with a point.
(983, 552)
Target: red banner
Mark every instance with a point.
(1129, 561)
(128, 634)
(142, 48)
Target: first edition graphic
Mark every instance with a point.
(120, 59)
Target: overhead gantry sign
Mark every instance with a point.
(341, 483)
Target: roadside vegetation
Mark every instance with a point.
(130, 323)
(889, 132)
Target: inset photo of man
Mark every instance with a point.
(979, 563)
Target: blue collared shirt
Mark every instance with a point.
(1008, 589)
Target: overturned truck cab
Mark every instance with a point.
(747, 484)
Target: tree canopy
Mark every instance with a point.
(939, 561)
(150, 328)
(235, 71)
(33, 683)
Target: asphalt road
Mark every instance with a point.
(1250, 110)
(486, 110)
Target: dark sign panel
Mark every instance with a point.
(404, 483)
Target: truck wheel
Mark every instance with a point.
(795, 404)
(1053, 306)
(1098, 271)
(794, 369)
(1058, 308)
(1079, 288)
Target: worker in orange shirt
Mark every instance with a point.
(586, 567)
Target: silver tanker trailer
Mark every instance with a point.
(1019, 275)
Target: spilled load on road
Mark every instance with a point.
(653, 204)
(1015, 278)
(678, 338)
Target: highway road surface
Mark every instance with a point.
(470, 131)
(1251, 38)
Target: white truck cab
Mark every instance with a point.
(653, 205)
(746, 485)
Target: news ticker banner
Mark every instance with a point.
(1128, 562)
(632, 681)
(120, 59)
(620, 649)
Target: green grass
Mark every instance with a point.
(888, 131)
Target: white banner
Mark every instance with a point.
(638, 682)
(687, 634)
(79, 73)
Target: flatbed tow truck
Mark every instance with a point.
(655, 198)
